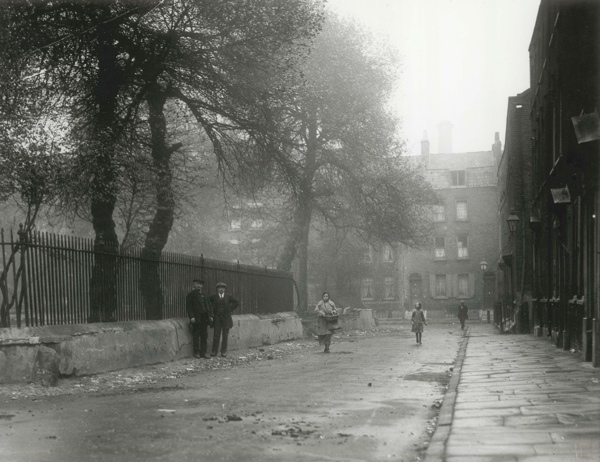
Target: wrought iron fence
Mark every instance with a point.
(46, 280)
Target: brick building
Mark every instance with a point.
(565, 91)
(463, 236)
(514, 199)
(244, 236)
(379, 286)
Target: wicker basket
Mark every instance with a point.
(331, 317)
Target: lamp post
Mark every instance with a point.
(499, 306)
(513, 221)
(483, 266)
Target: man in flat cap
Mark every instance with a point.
(222, 305)
(199, 310)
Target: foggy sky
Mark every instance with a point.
(461, 60)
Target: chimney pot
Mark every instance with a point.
(425, 145)
(445, 133)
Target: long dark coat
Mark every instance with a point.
(196, 303)
(230, 305)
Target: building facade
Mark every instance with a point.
(379, 287)
(245, 234)
(514, 310)
(565, 91)
(456, 266)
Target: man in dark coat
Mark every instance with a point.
(222, 305)
(200, 313)
(463, 314)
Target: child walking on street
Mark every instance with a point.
(418, 320)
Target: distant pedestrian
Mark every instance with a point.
(222, 304)
(327, 321)
(418, 320)
(463, 314)
(199, 312)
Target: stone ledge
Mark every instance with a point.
(84, 349)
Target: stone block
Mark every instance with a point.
(45, 369)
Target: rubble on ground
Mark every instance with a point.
(131, 379)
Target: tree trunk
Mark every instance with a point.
(303, 269)
(297, 244)
(150, 282)
(103, 283)
(298, 239)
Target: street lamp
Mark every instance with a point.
(483, 266)
(512, 221)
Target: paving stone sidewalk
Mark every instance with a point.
(516, 397)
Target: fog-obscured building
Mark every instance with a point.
(463, 235)
(380, 287)
(514, 260)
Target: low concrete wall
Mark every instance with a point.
(358, 320)
(40, 354)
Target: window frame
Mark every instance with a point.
(436, 248)
(388, 253)
(441, 277)
(437, 211)
(389, 288)
(455, 177)
(366, 285)
(459, 247)
(463, 277)
(368, 255)
(466, 215)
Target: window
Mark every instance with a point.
(416, 287)
(463, 245)
(388, 253)
(367, 289)
(389, 288)
(458, 178)
(463, 285)
(368, 255)
(461, 211)
(440, 285)
(440, 247)
(236, 224)
(439, 213)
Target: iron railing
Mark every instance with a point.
(46, 280)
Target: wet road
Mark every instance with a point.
(375, 397)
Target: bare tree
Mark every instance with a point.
(349, 160)
(108, 62)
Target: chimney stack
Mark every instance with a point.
(445, 134)
(497, 149)
(425, 148)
